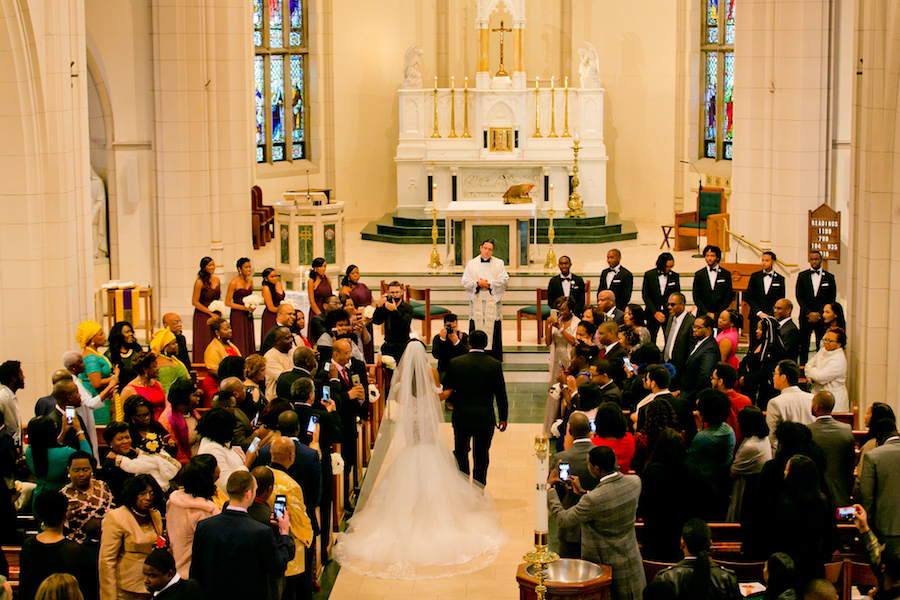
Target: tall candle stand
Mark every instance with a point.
(466, 110)
(551, 257)
(575, 204)
(452, 110)
(541, 556)
(566, 132)
(537, 107)
(552, 110)
(435, 262)
(435, 134)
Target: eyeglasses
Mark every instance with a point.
(671, 304)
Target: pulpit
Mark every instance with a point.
(469, 223)
(306, 231)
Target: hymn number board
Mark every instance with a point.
(825, 233)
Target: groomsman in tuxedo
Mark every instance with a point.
(659, 284)
(712, 285)
(766, 287)
(815, 288)
(617, 279)
(702, 360)
(790, 335)
(679, 337)
(471, 385)
(566, 284)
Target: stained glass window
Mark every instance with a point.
(279, 71)
(717, 110)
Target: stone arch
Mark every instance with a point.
(101, 131)
(501, 114)
(486, 8)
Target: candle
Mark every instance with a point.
(451, 82)
(576, 137)
(467, 83)
(435, 82)
(551, 196)
(552, 80)
(537, 83)
(541, 471)
(567, 82)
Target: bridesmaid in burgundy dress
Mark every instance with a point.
(318, 287)
(361, 296)
(273, 294)
(206, 289)
(241, 316)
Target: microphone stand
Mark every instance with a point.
(699, 191)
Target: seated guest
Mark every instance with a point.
(827, 369)
(46, 458)
(170, 369)
(449, 343)
(753, 453)
(833, 316)
(255, 379)
(89, 501)
(118, 437)
(163, 581)
(820, 589)
(181, 417)
(216, 429)
(635, 316)
(729, 324)
(791, 404)
(839, 446)
(756, 368)
(723, 379)
(219, 347)
(144, 385)
(51, 552)
(697, 577)
(576, 457)
(874, 413)
(189, 505)
(778, 575)
(278, 359)
(173, 323)
(712, 448)
(147, 434)
(611, 432)
(130, 532)
(672, 493)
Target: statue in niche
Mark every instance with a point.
(590, 66)
(412, 77)
(98, 216)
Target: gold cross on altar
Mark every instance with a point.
(306, 236)
(501, 72)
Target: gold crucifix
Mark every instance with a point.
(501, 72)
(305, 237)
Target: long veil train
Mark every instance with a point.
(417, 516)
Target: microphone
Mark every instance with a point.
(308, 199)
(699, 191)
(685, 162)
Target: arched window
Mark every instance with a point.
(717, 56)
(279, 73)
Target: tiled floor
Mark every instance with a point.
(511, 482)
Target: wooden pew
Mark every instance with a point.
(13, 554)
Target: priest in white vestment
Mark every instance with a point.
(485, 279)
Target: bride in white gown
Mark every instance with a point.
(417, 516)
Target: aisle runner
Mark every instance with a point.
(511, 482)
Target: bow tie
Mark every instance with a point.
(769, 274)
(713, 269)
(485, 260)
(565, 278)
(817, 271)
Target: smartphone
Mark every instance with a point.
(355, 380)
(593, 426)
(326, 393)
(313, 421)
(255, 421)
(280, 505)
(846, 513)
(554, 313)
(564, 471)
(70, 414)
(628, 364)
(253, 445)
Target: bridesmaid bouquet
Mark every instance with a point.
(217, 306)
(290, 303)
(252, 301)
(369, 312)
(337, 463)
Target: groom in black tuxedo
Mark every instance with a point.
(472, 382)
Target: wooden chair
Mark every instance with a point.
(652, 567)
(745, 571)
(266, 215)
(711, 205)
(425, 311)
(835, 572)
(537, 312)
(856, 573)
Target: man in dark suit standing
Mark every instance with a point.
(815, 288)
(606, 302)
(712, 288)
(617, 279)
(679, 336)
(159, 571)
(790, 335)
(566, 284)
(449, 343)
(766, 287)
(701, 362)
(235, 556)
(612, 351)
(471, 384)
(304, 364)
(839, 446)
(576, 457)
(659, 284)
(317, 323)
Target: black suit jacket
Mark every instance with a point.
(684, 342)
(757, 297)
(810, 302)
(576, 292)
(331, 432)
(622, 286)
(347, 407)
(616, 357)
(790, 335)
(286, 380)
(698, 368)
(183, 355)
(710, 300)
(45, 406)
(476, 380)
(186, 589)
(316, 327)
(445, 351)
(654, 298)
(235, 556)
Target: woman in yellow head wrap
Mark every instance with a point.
(98, 371)
(165, 347)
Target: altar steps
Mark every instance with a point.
(395, 229)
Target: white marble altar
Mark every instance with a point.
(460, 242)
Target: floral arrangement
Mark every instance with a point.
(337, 463)
(555, 391)
(369, 312)
(374, 394)
(388, 362)
(151, 443)
(252, 301)
(217, 306)
(289, 302)
(554, 429)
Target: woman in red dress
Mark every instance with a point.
(361, 296)
(206, 289)
(318, 287)
(144, 385)
(611, 432)
(241, 316)
(272, 294)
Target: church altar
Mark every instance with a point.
(470, 222)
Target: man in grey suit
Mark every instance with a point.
(879, 488)
(679, 336)
(577, 459)
(606, 515)
(837, 442)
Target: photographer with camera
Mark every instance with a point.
(449, 343)
(396, 315)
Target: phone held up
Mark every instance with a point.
(846, 513)
(564, 471)
(253, 445)
(70, 414)
(280, 505)
(313, 421)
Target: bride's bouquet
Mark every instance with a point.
(369, 312)
(388, 362)
(217, 306)
(252, 301)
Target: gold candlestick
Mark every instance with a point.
(466, 110)
(566, 132)
(435, 262)
(537, 107)
(541, 556)
(452, 110)
(435, 134)
(551, 257)
(575, 204)
(552, 110)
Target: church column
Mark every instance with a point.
(483, 76)
(874, 253)
(518, 75)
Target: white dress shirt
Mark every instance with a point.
(816, 281)
(566, 284)
(673, 333)
(768, 277)
(9, 406)
(712, 273)
(612, 275)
